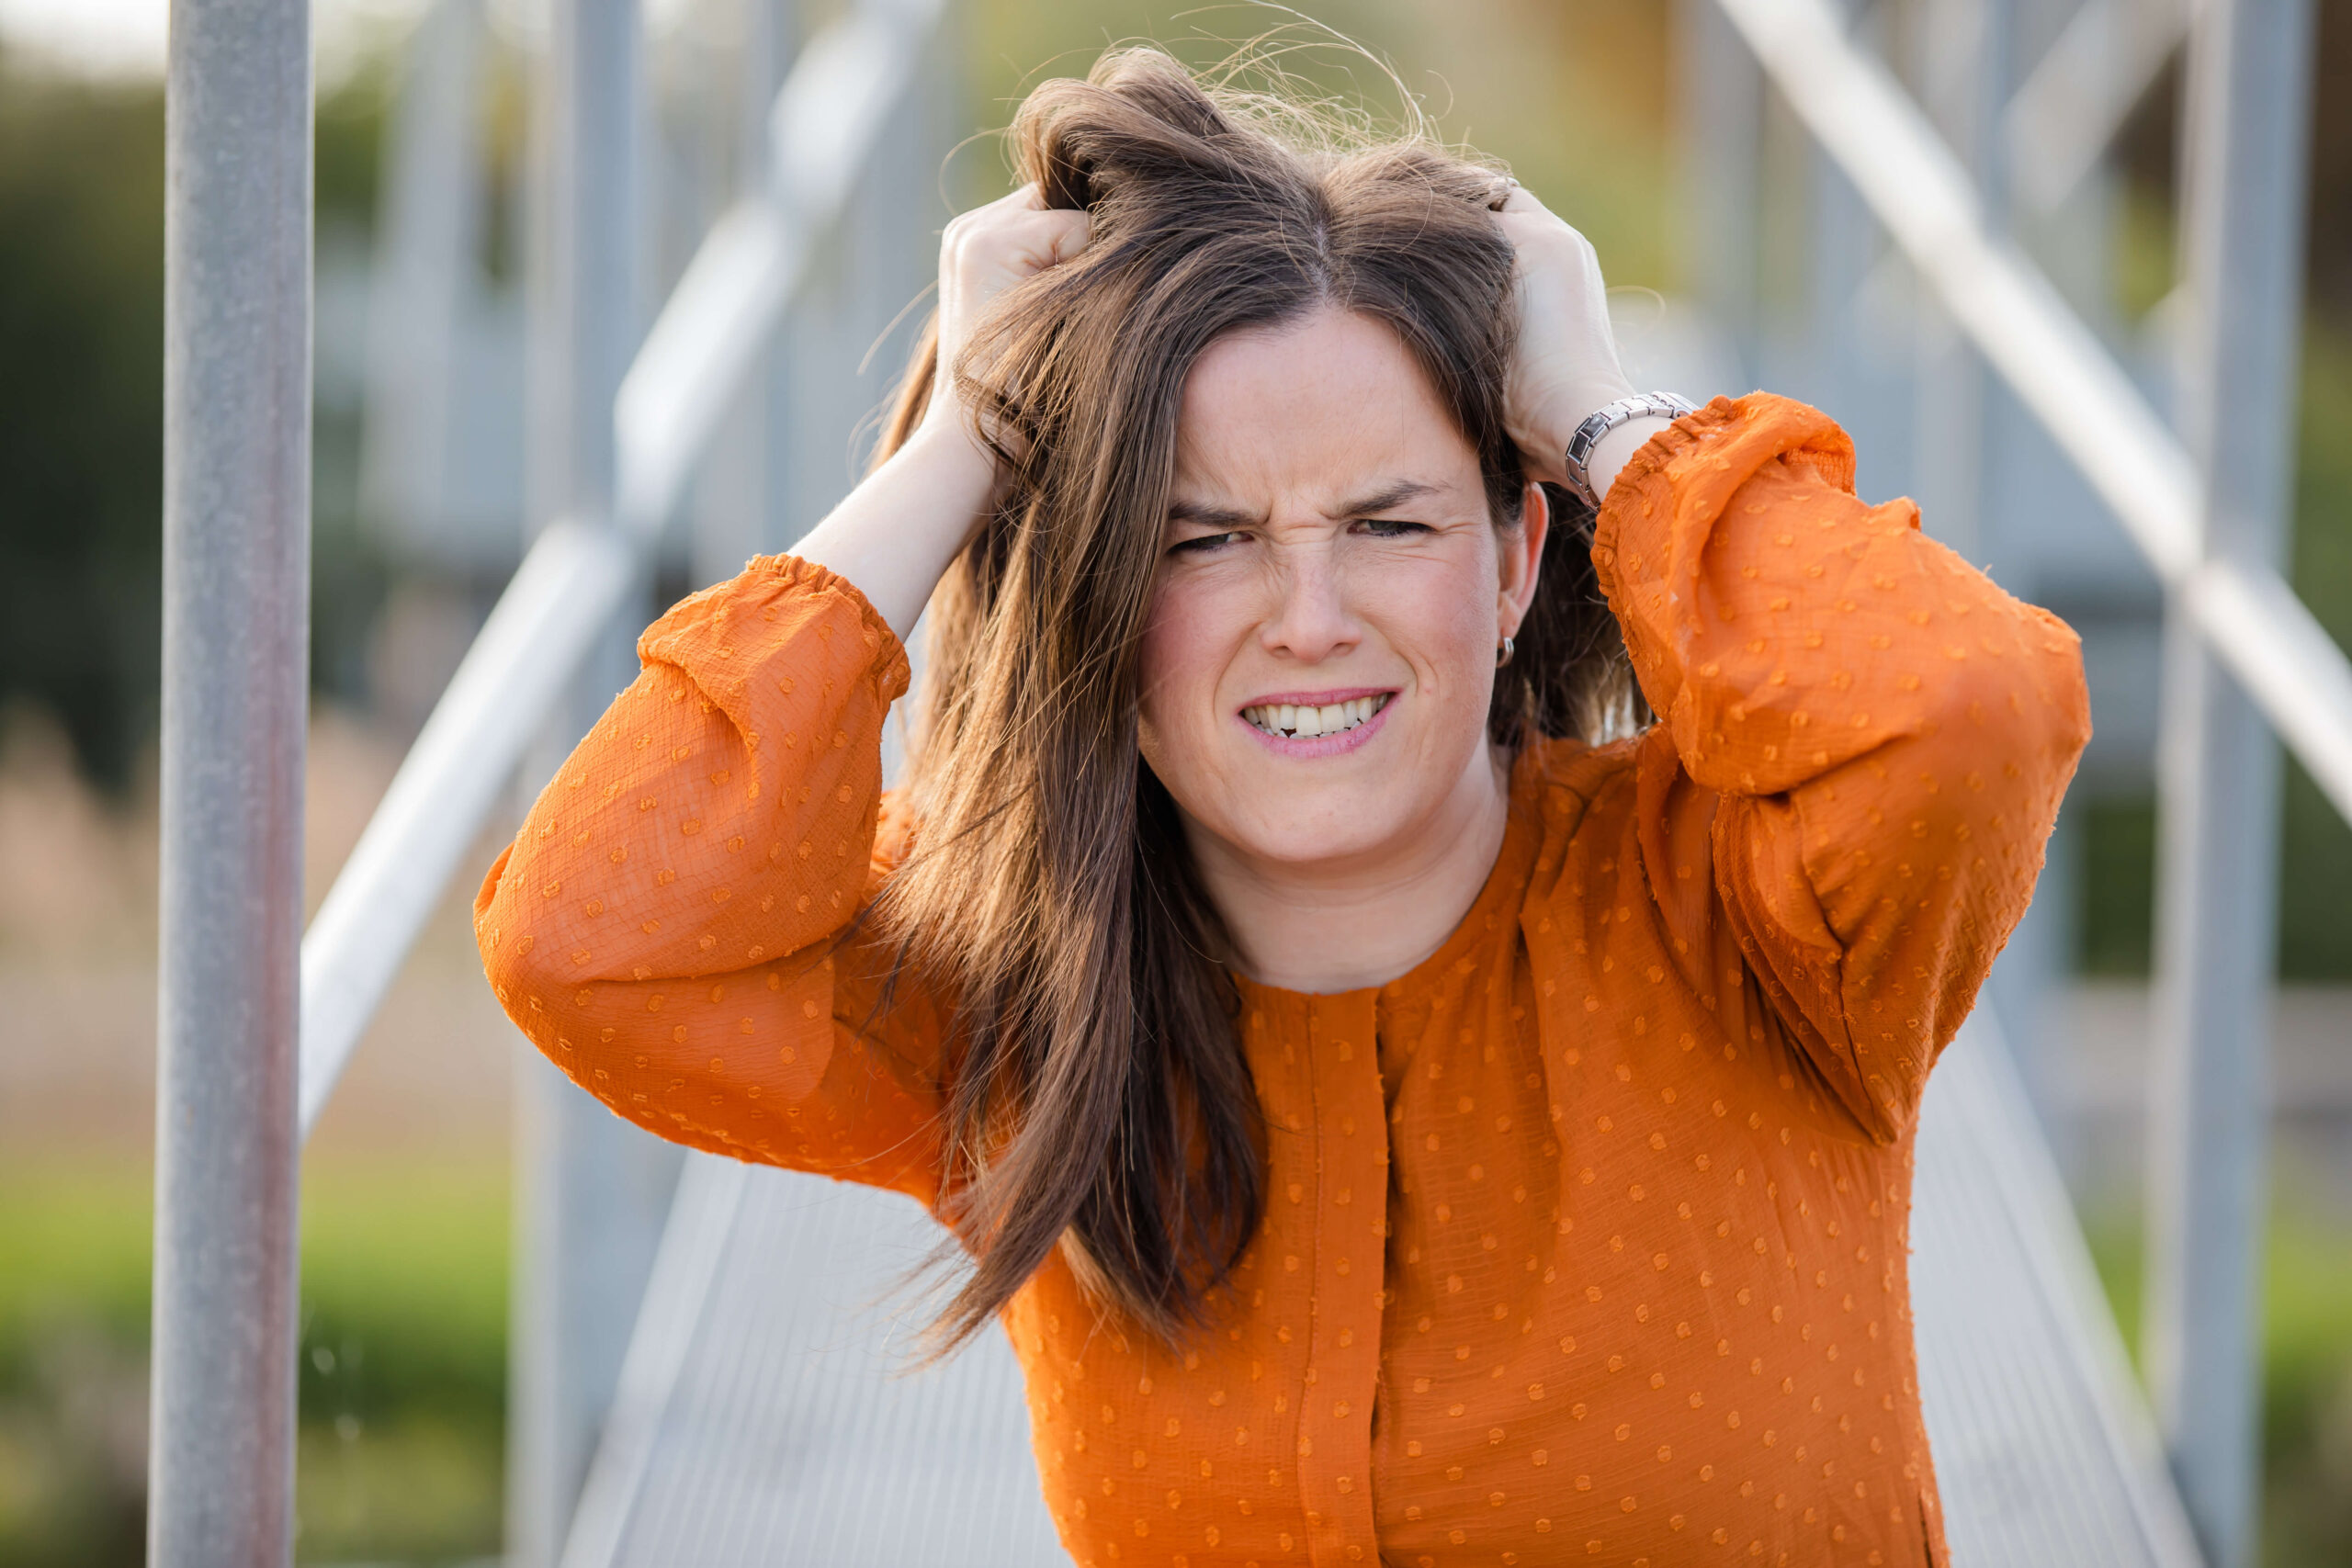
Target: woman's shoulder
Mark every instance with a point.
(894, 831)
(1571, 791)
(1591, 811)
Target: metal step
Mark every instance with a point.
(2044, 1449)
(767, 1412)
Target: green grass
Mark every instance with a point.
(403, 1363)
(404, 1370)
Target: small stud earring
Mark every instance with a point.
(1503, 652)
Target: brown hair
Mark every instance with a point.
(1097, 1098)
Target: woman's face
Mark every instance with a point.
(1320, 652)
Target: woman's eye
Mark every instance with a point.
(1205, 545)
(1390, 529)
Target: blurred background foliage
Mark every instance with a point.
(403, 1364)
(404, 1274)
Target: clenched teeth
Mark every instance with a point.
(1305, 720)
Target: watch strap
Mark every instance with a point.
(1602, 419)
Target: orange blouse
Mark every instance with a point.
(1585, 1240)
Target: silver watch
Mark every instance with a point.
(1601, 421)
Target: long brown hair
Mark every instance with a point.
(1098, 1099)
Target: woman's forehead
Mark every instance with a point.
(1329, 409)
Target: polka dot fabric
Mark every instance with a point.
(1586, 1241)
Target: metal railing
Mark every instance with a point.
(2057, 365)
(2207, 510)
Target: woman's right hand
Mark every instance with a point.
(984, 253)
(896, 534)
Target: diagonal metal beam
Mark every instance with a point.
(831, 111)
(2248, 615)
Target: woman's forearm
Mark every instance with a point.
(896, 534)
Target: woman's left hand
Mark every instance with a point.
(1565, 363)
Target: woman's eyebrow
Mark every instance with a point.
(1209, 516)
(1393, 494)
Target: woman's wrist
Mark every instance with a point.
(1616, 449)
(899, 530)
(1567, 408)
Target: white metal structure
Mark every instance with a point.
(628, 421)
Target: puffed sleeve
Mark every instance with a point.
(1861, 736)
(680, 924)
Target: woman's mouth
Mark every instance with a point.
(1306, 721)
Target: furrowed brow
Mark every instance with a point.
(1383, 499)
(1203, 516)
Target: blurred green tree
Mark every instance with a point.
(81, 391)
(81, 407)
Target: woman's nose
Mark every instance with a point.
(1311, 621)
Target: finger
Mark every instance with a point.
(1050, 236)
(1029, 198)
(1533, 218)
(1524, 205)
(1012, 203)
(1071, 233)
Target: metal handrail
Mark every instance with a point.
(829, 115)
(1914, 188)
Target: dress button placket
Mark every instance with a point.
(1351, 1187)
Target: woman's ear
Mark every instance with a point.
(1521, 557)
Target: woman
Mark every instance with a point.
(1394, 1120)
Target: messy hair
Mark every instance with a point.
(1098, 1099)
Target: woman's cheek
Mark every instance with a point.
(1176, 669)
(1453, 638)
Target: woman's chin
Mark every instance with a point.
(1304, 826)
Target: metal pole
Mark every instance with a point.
(1851, 368)
(2245, 154)
(236, 628)
(589, 129)
(431, 216)
(1963, 55)
(592, 1191)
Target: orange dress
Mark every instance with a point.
(1585, 1240)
